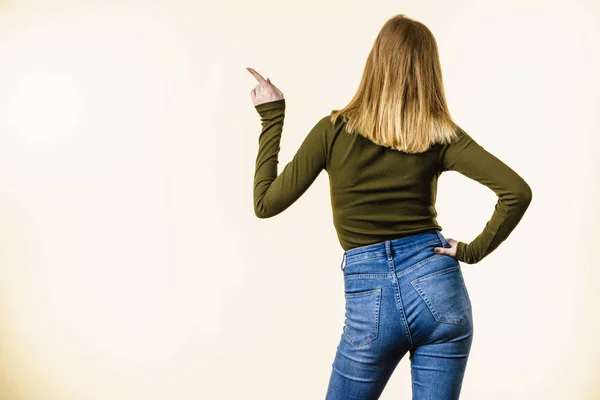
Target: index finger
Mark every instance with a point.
(258, 76)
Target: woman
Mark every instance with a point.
(384, 153)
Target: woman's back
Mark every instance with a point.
(379, 193)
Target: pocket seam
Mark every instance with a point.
(440, 272)
(430, 306)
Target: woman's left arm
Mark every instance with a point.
(274, 193)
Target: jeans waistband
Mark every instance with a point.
(389, 247)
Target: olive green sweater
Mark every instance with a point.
(378, 193)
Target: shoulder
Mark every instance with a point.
(456, 148)
(460, 141)
(323, 126)
(460, 136)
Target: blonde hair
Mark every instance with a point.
(400, 101)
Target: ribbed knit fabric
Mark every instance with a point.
(378, 193)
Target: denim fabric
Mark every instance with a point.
(403, 297)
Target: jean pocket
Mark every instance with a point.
(362, 316)
(445, 294)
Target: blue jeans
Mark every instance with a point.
(402, 297)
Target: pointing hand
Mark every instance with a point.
(265, 91)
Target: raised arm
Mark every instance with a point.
(274, 193)
(514, 194)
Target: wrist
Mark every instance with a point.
(461, 249)
(270, 105)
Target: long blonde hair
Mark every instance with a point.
(400, 101)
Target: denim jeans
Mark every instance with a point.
(403, 297)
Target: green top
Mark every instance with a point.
(378, 193)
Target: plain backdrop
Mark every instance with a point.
(132, 265)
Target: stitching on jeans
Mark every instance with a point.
(420, 264)
(363, 293)
(383, 254)
(359, 276)
(436, 315)
(375, 325)
(421, 245)
(378, 255)
(425, 298)
(440, 272)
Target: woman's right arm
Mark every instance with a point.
(469, 158)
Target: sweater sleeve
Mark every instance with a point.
(273, 192)
(469, 158)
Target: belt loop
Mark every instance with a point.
(442, 238)
(388, 249)
(342, 265)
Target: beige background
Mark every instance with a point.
(132, 265)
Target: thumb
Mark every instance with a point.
(440, 250)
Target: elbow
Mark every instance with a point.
(261, 212)
(261, 215)
(524, 194)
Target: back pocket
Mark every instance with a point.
(445, 294)
(362, 316)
